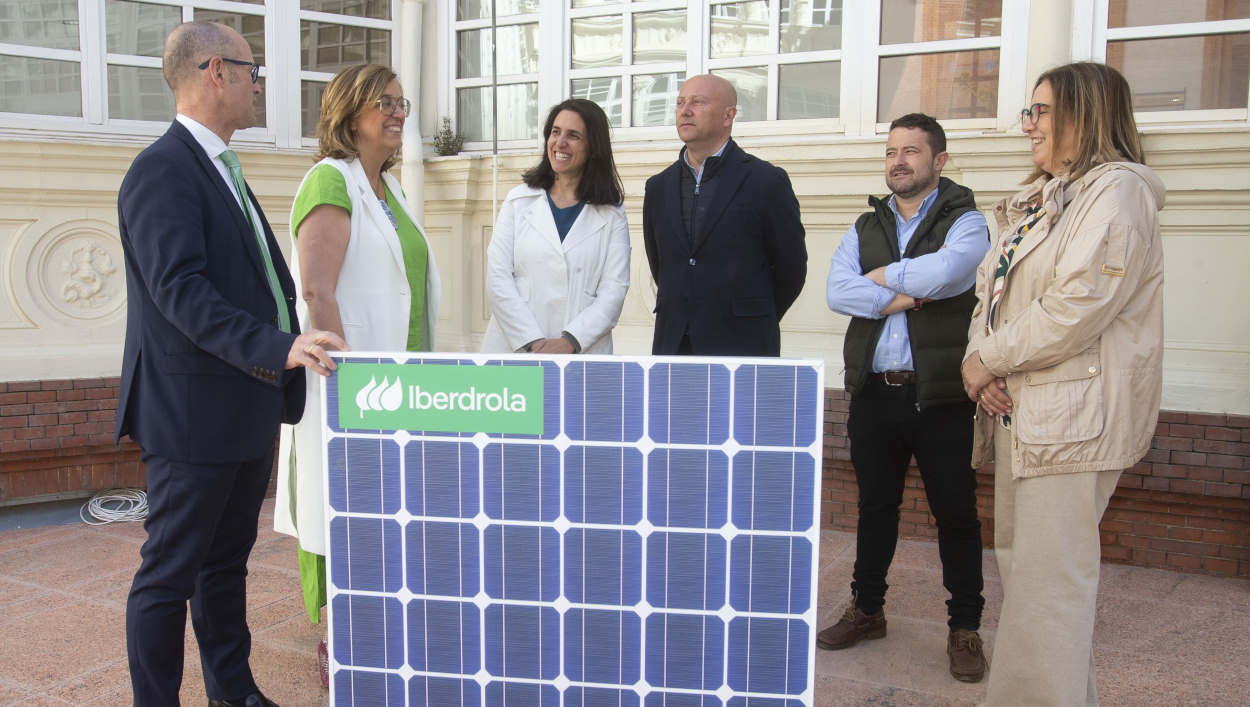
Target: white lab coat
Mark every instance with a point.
(538, 286)
(373, 301)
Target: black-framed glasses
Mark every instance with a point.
(254, 71)
(387, 104)
(1034, 112)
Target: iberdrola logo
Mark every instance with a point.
(380, 397)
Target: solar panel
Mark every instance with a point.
(572, 531)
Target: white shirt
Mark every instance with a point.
(213, 147)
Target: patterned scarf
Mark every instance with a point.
(1032, 216)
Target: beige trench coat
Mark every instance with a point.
(1079, 336)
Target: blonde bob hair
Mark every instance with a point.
(350, 91)
(1094, 102)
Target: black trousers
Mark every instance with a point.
(201, 526)
(886, 429)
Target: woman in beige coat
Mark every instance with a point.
(1065, 360)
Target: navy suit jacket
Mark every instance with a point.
(747, 266)
(202, 376)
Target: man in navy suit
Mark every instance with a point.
(213, 363)
(723, 236)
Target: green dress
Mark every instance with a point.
(325, 185)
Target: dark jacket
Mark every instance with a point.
(938, 330)
(202, 375)
(729, 289)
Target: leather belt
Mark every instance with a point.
(897, 378)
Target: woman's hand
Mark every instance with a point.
(976, 376)
(994, 398)
(558, 345)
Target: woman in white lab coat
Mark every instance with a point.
(558, 263)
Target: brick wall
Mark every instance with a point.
(1186, 506)
(56, 440)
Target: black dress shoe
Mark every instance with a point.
(253, 700)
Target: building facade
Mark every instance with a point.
(818, 82)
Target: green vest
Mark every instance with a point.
(938, 330)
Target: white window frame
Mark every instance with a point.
(1090, 38)
(282, 72)
(859, 58)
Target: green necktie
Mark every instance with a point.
(236, 173)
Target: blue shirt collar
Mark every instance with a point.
(920, 212)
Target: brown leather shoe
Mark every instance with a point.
(253, 700)
(966, 654)
(853, 627)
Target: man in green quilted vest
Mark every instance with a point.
(904, 274)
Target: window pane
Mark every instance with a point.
(738, 29)
(655, 98)
(40, 86)
(596, 41)
(518, 112)
(310, 106)
(931, 20)
(811, 25)
(659, 36)
(808, 90)
(377, 9)
(518, 51)
(252, 27)
(138, 27)
(1185, 73)
(947, 85)
(752, 85)
(594, 3)
(139, 93)
(40, 23)
(605, 91)
(1138, 13)
(330, 47)
(480, 9)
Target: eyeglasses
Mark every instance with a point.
(1034, 112)
(255, 70)
(388, 104)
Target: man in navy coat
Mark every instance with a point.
(723, 236)
(214, 361)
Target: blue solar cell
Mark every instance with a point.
(687, 488)
(763, 702)
(686, 571)
(441, 478)
(432, 691)
(522, 481)
(522, 641)
(602, 646)
(686, 651)
(442, 558)
(444, 636)
(603, 401)
(775, 406)
(602, 566)
(681, 699)
(523, 694)
(603, 485)
(768, 655)
(522, 562)
(551, 399)
(773, 490)
(361, 687)
(689, 403)
(770, 573)
(371, 559)
(368, 631)
(578, 696)
(371, 489)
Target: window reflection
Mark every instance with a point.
(655, 98)
(140, 93)
(138, 28)
(659, 36)
(518, 111)
(738, 29)
(329, 47)
(480, 9)
(377, 9)
(1185, 73)
(810, 25)
(944, 85)
(595, 41)
(904, 21)
(41, 86)
(517, 51)
(752, 86)
(605, 91)
(808, 90)
(1138, 13)
(40, 23)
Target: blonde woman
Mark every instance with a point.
(1065, 362)
(363, 269)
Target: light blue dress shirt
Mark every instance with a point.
(944, 273)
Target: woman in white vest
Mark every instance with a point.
(363, 270)
(558, 263)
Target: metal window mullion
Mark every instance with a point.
(147, 62)
(809, 57)
(1087, 15)
(697, 37)
(283, 83)
(348, 20)
(93, 73)
(1186, 29)
(33, 52)
(772, 90)
(860, 67)
(225, 6)
(740, 62)
(940, 46)
(1012, 63)
(554, 39)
